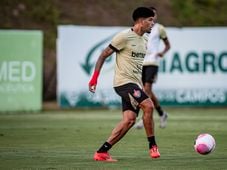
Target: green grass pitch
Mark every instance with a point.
(67, 140)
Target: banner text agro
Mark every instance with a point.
(195, 63)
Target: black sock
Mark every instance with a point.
(159, 110)
(151, 141)
(104, 148)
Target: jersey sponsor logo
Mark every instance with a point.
(138, 55)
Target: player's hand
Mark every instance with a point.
(160, 54)
(92, 85)
(92, 88)
(93, 82)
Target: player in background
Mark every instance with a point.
(151, 65)
(130, 48)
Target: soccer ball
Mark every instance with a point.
(204, 144)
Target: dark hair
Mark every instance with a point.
(142, 12)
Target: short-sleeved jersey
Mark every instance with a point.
(158, 32)
(130, 51)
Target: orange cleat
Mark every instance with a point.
(103, 157)
(154, 153)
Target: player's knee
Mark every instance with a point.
(130, 121)
(149, 108)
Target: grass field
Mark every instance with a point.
(67, 140)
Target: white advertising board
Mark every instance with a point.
(192, 73)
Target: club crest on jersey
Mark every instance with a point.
(137, 93)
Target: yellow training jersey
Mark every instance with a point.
(130, 51)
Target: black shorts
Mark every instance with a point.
(149, 74)
(131, 95)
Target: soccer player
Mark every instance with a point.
(151, 65)
(130, 48)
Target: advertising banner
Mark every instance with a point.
(192, 73)
(20, 70)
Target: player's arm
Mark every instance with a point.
(166, 47)
(163, 36)
(99, 63)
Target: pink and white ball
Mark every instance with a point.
(204, 144)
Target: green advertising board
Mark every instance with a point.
(20, 70)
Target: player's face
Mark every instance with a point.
(148, 24)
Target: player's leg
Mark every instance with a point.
(118, 132)
(162, 114)
(149, 92)
(150, 74)
(136, 98)
(129, 118)
(147, 107)
(140, 99)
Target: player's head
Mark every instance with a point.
(143, 17)
(155, 12)
(142, 12)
